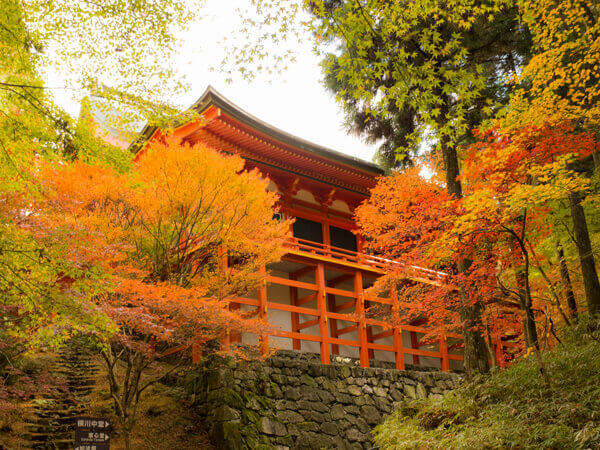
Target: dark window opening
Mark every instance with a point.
(341, 238)
(308, 230)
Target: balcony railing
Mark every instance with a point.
(371, 261)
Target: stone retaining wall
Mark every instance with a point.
(293, 401)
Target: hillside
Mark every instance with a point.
(512, 408)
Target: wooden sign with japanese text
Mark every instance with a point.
(92, 433)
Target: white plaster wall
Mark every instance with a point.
(339, 205)
(305, 195)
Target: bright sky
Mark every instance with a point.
(296, 103)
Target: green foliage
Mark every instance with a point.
(513, 408)
(46, 289)
(409, 71)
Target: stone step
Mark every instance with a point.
(56, 444)
(43, 421)
(49, 427)
(48, 437)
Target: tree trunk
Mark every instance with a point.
(127, 438)
(476, 357)
(531, 336)
(566, 280)
(586, 257)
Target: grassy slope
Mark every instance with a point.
(511, 408)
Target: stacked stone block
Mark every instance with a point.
(292, 401)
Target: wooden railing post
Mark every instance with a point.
(262, 310)
(360, 312)
(443, 344)
(322, 308)
(414, 343)
(398, 344)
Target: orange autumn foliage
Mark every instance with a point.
(159, 234)
(510, 178)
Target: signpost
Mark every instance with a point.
(92, 433)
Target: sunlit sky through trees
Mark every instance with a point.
(294, 101)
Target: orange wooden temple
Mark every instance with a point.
(315, 294)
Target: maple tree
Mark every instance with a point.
(511, 178)
(84, 47)
(560, 83)
(163, 234)
(564, 71)
(412, 73)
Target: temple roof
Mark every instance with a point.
(227, 127)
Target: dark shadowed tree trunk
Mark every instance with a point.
(476, 357)
(566, 281)
(586, 256)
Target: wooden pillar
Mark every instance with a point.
(296, 343)
(326, 235)
(369, 333)
(335, 348)
(262, 311)
(414, 343)
(360, 248)
(322, 309)
(398, 344)
(223, 264)
(360, 311)
(443, 345)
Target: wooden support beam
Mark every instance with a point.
(306, 299)
(414, 343)
(322, 308)
(443, 345)
(335, 348)
(296, 343)
(340, 279)
(262, 311)
(345, 330)
(369, 332)
(382, 335)
(290, 308)
(235, 337)
(360, 311)
(286, 282)
(326, 236)
(308, 323)
(348, 305)
(301, 272)
(397, 331)
(343, 293)
(223, 264)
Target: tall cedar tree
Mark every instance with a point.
(494, 49)
(425, 59)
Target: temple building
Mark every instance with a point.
(315, 296)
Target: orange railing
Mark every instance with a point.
(371, 261)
